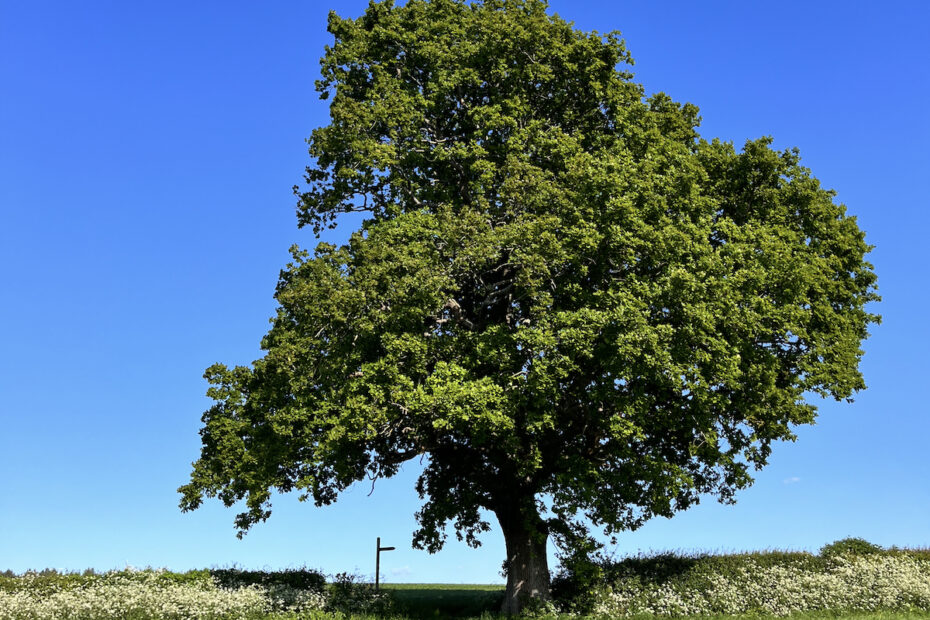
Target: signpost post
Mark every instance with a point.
(378, 562)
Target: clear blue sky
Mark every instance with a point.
(147, 154)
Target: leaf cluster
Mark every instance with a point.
(561, 290)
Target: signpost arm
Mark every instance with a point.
(378, 551)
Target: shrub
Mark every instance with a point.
(301, 578)
(146, 595)
(775, 586)
(347, 594)
(850, 546)
(848, 576)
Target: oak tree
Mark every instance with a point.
(574, 308)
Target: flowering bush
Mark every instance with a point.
(898, 582)
(146, 595)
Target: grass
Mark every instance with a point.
(496, 616)
(436, 600)
(428, 610)
(878, 615)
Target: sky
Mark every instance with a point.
(147, 155)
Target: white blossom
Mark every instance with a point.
(867, 583)
(144, 595)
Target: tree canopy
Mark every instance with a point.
(572, 305)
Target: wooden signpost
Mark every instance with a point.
(378, 561)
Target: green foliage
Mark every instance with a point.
(918, 552)
(347, 594)
(850, 546)
(717, 583)
(230, 578)
(840, 584)
(560, 290)
(298, 578)
(44, 580)
(666, 567)
(154, 594)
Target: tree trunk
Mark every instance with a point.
(525, 534)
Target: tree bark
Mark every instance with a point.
(527, 568)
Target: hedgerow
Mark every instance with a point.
(851, 575)
(223, 594)
(848, 576)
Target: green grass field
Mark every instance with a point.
(437, 600)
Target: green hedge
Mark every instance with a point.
(847, 575)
